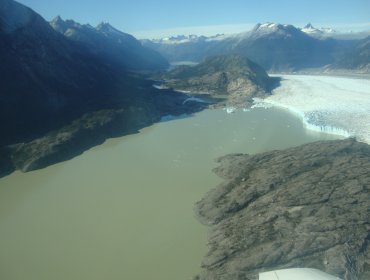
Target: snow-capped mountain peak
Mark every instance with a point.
(106, 27)
(269, 28)
(311, 30)
(308, 26)
(110, 31)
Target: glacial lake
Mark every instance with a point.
(124, 210)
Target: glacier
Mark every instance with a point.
(337, 105)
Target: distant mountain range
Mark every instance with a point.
(276, 47)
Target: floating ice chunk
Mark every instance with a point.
(230, 110)
(195, 99)
(168, 118)
(159, 86)
(260, 103)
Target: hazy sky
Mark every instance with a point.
(149, 18)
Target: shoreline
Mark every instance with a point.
(92, 129)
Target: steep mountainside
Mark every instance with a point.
(357, 58)
(45, 79)
(111, 44)
(306, 206)
(232, 75)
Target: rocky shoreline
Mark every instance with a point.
(93, 129)
(306, 206)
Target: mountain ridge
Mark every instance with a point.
(115, 46)
(276, 47)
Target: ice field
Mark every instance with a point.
(332, 104)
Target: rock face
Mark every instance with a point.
(307, 206)
(232, 76)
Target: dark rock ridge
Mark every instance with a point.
(307, 206)
(113, 46)
(234, 77)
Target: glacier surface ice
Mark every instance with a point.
(335, 105)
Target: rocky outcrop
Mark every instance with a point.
(233, 77)
(307, 206)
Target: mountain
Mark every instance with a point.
(112, 45)
(276, 47)
(45, 79)
(357, 58)
(232, 75)
(283, 47)
(58, 97)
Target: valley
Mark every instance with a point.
(108, 143)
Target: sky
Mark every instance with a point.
(160, 18)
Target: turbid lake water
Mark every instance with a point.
(124, 210)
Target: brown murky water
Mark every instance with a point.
(124, 210)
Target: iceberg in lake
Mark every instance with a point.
(230, 110)
(194, 99)
(330, 104)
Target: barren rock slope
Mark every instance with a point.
(307, 206)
